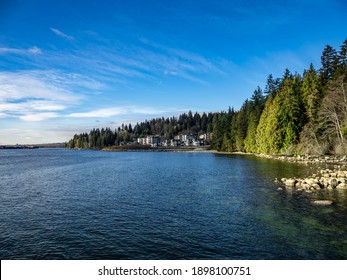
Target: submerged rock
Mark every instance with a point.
(323, 202)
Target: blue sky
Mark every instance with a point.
(69, 66)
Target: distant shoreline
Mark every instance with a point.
(144, 148)
(32, 146)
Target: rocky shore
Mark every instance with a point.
(308, 159)
(326, 179)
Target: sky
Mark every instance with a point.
(69, 66)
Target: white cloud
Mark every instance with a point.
(11, 50)
(36, 117)
(101, 113)
(35, 50)
(30, 84)
(32, 50)
(3, 115)
(126, 110)
(32, 96)
(61, 34)
(31, 105)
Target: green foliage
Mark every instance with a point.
(268, 140)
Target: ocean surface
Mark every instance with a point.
(68, 204)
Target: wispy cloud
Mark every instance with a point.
(36, 117)
(32, 96)
(33, 50)
(32, 84)
(61, 34)
(100, 113)
(125, 110)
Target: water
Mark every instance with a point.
(64, 204)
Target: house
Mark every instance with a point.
(154, 141)
(188, 139)
(206, 136)
(176, 143)
(141, 141)
(199, 142)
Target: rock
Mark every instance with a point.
(290, 182)
(308, 181)
(342, 186)
(323, 202)
(333, 183)
(326, 175)
(316, 186)
(279, 189)
(341, 180)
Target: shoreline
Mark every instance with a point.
(142, 148)
(302, 159)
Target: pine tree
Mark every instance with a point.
(329, 60)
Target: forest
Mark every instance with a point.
(294, 114)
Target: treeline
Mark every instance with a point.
(295, 113)
(304, 114)
(167, 128)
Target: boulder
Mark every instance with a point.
(333, 183)
(290, 182)
(316, 186)
(342, 186)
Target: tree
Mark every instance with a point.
(329, 64)
(333, 112)
(271, 86)
(311, 93)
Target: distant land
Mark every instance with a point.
(33, 146)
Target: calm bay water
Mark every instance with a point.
(64, 204)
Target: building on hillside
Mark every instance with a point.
(141, 141)
(199, 142)
(152, 140)
(206, 136)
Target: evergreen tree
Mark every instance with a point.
(329, 60)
